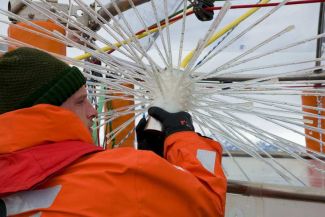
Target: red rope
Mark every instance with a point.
(237, 7)
(232, 7)
(268, 4)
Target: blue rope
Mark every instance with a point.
(214, 47)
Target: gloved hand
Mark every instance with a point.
(151, 140)
(172, 122)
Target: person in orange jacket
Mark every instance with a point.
(49, 165)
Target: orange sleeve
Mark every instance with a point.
(186, 150)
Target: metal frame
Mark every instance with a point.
(307, 194)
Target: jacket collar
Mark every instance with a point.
(43, 123)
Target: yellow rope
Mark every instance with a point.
(217, 35)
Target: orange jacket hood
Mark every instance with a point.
(37, 125)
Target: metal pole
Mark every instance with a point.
(320, 41)
(309, 194)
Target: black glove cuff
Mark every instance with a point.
(170, 131)
(3, 209)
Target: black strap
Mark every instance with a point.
(3, 210)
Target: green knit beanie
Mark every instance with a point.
(29, 76)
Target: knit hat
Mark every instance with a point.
(29, 76)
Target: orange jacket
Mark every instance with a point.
(118, 182)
